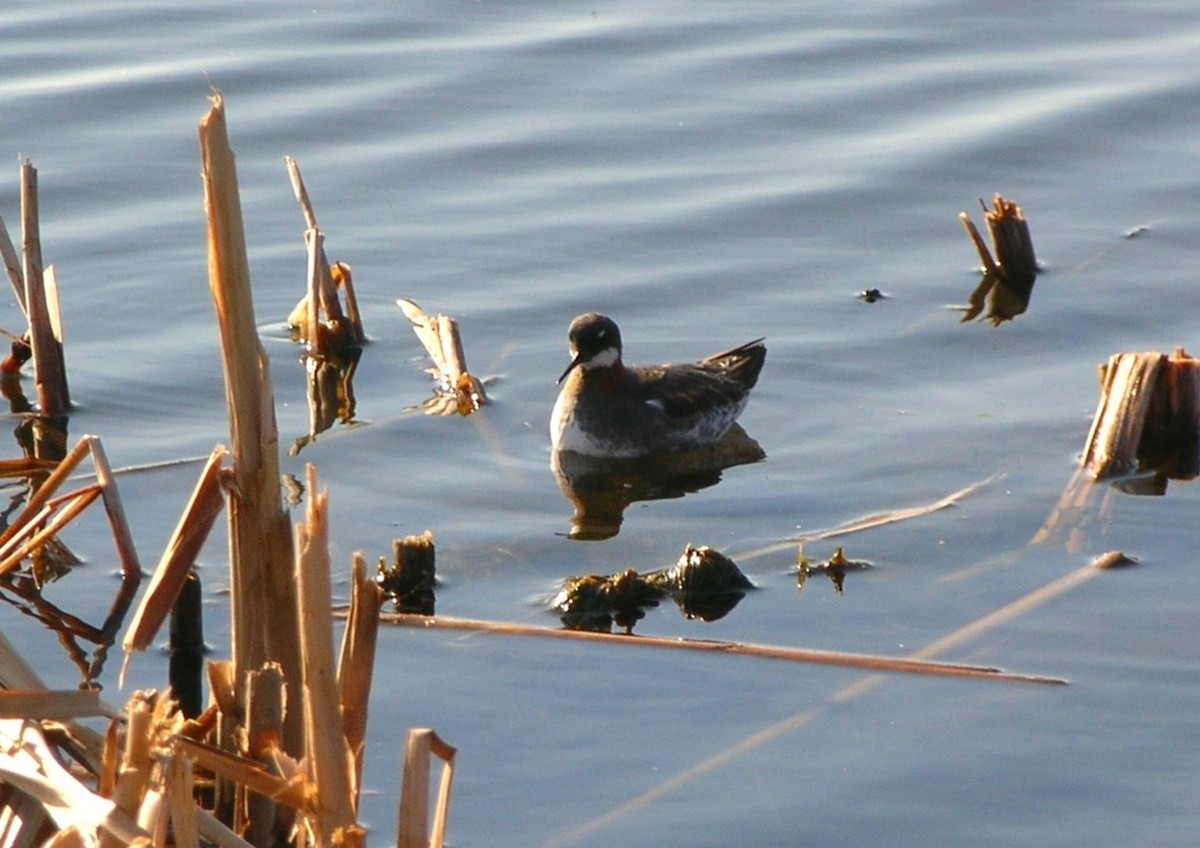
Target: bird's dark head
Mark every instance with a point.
(594, 341)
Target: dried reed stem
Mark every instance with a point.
(413, 829)
(985, 255)
(356, 664)
(137, 761)
(264, 729)
(183, 548)
(328, 758)
(12, 265)
(1143, 395)
(805, 655)
(260, 541)
(45, 329)
(27, 532)
(53, 705)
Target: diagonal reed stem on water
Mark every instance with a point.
(870, 662)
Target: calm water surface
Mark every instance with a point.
(706, 173)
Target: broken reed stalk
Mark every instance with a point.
(414, 830)
(264, 724)
(805, 655)
(133, 774)
(330, 766)
(356, 664)
(52, 705)
(439, 335)
(260, 540)
(323, 281)
(27, 532)
(1146, 399)
(306, 208)
(45, 328)
(179, 556)
(319, 283)
(33, 768)
(12, 265)
(1009, 230)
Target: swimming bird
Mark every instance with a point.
(608, 409)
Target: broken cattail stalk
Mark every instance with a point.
(343, 328)
(1009, 230)
(41, 301)
(181, 805)
(414, 830)
(260, 541)
(264, 724)
(1148, 416)
(343, 279)
(12, 265)
(48, 705)
(330, 767)
(36, 772)
(27, 532)
(137, 761)
(411, 578)
(254, 776)
(42, 527)
(179, 556)
(440, 337)
(356, 664)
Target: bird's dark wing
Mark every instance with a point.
(684, 390)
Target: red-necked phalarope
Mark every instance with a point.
(608, 409)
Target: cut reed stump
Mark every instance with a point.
(1008, 278)
(1009, 230)
(1148, 416)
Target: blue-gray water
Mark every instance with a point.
(706, 173)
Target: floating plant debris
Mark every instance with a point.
(871, 296)
(835, 568)
(331, 333)
(704, 583)
(458, 391)
(1007, 282)
(595, 602)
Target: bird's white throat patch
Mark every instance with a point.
(604, 359)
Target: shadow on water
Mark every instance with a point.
(600, 489)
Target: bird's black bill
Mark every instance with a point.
(571, 367)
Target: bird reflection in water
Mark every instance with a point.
(601, 488)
